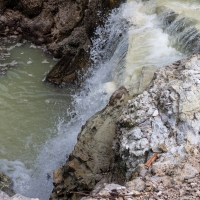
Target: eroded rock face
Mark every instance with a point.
(92, 159)
(159, 181)
(65, 27)
(165, 117)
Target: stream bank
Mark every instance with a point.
(164, 119)
(64, 27)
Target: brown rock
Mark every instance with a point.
(57, 176)
(64, 26)
(118, 95)
(93, 156)
(31, 8)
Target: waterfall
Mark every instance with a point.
(136, 39)
(109, 50)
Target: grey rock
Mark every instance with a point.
(179, 105)
(136, 184)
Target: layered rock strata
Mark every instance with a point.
(65, 27)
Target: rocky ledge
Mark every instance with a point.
(64, 27)
(163, 122)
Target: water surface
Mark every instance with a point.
(40, 123)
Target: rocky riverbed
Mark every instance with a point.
(164, 119)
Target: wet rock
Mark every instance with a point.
(4, 196)
(68, 68)
(93, 157)
(5, 181)
(65, 27)
(118, 95)
(6, 185)
(164, 118)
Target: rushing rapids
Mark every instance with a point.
(139, 36)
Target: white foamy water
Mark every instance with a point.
(134, 36)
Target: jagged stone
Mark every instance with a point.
(4, 196)
(92, 159)
(65, 27)
(174, 94)
(174, 131)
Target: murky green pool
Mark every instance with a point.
(30, 109)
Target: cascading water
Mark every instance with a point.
(139, 35)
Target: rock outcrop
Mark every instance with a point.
(93, 158)
(64, 27)
(4, 196)
(164, 119)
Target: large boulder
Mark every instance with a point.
(117, 142)
(93, 157)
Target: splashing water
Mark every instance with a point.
(136, 35)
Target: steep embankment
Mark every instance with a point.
(164, 119)
(65, 27)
